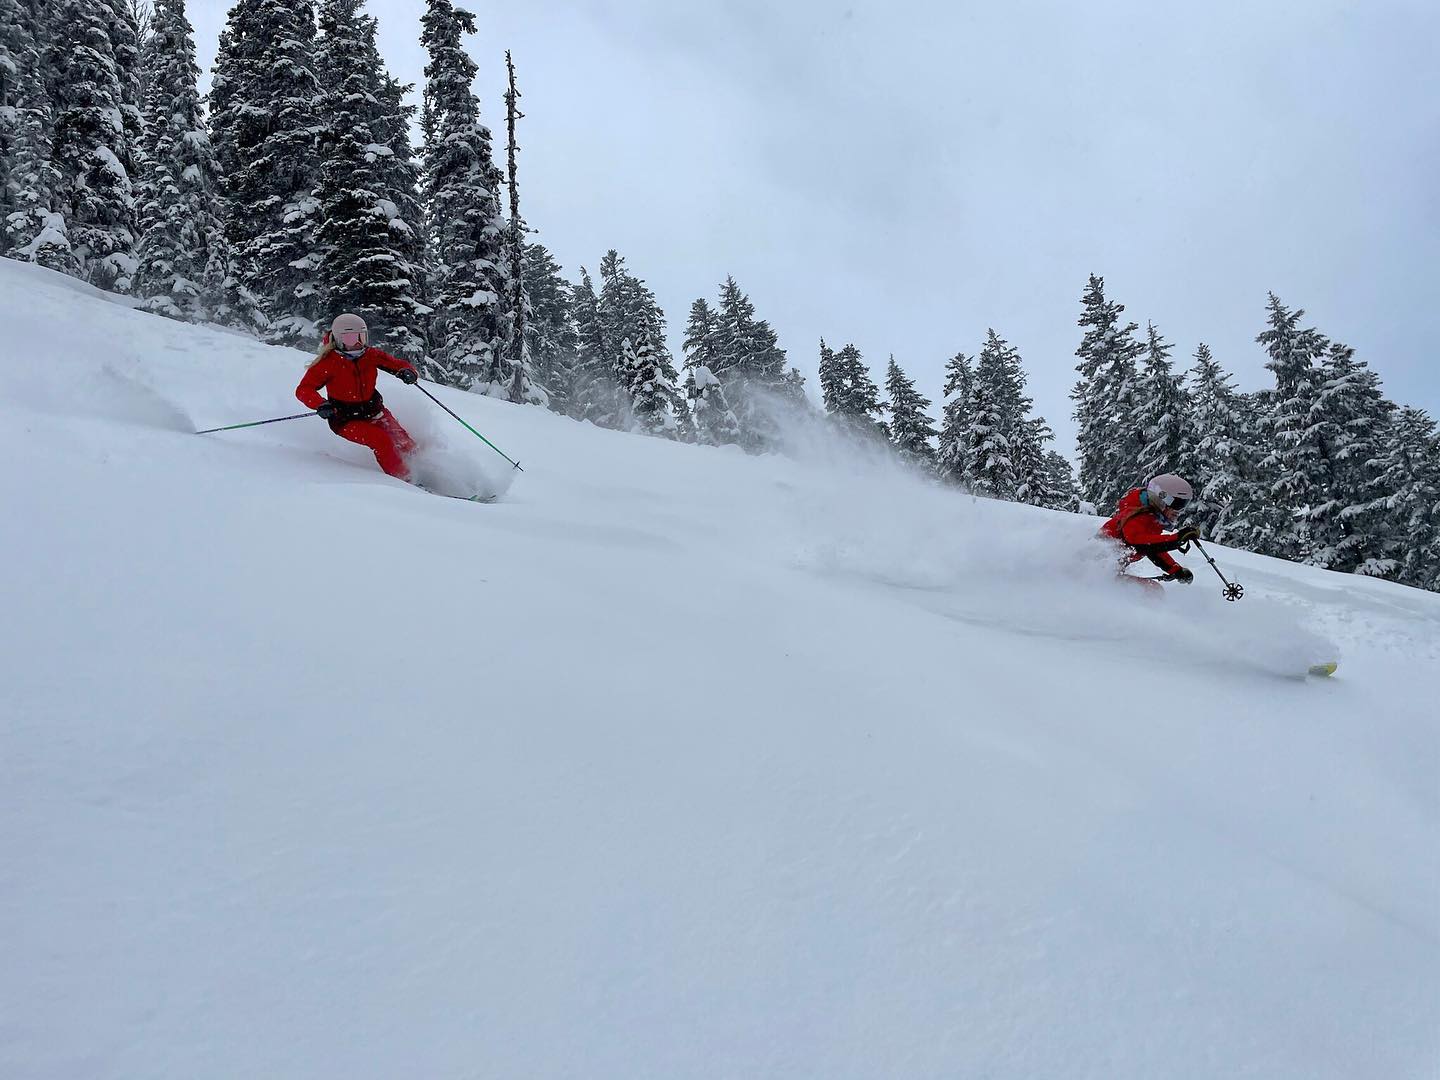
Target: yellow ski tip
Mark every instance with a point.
(1325, 669)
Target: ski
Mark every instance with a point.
(1323, 670)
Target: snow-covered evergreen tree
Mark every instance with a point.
(955, 422)
(749, 361)
(1409, 477)
(462, 203)
(1349, 527)
(645, 373)
(90, 79)
(851, 397)
(549, 328)
(997, 414)
(1162, 410)
(1216, 460)
(911, 429)
(597, 385)
(264, 123)
(1109, 437)
(1059, 483)
(181, 257)
(648, 377)
(715, 422)
(1295, 464)
(33, 227)
(701, 346)
(373, 256)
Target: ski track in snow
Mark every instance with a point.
(671, 762)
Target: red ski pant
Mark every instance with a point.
(384, 435)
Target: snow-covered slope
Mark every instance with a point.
(672, 763)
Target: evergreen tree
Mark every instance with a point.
(649, 378)
(1104, 395)
(32, 226)
(1034, 471)
(1348, 526)
(264, 118)
(702, 345)
(373, 256)
(597, 389)
(911, 429)
(1409, 477)
(462, 204)
(851, 397)
(749, 361)
(1163, 411)
(715, 422)
(997, 416)
(88, 63)
(549, 328)
(1295, 464)
(1059, 483)
(181, 253)
(950, 462)
(1216, 461)
(629, 313)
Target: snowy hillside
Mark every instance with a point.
(672, 763)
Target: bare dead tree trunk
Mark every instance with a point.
(518, 365)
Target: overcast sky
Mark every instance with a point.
(902, 175)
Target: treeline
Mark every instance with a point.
(1321, 468)
(295, 192)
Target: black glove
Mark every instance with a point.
(328, 411)
(1188, 533)
(409, 376)
(1182, 575)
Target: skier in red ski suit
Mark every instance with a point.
(346, 369)
(1143, 523)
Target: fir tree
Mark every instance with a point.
(715, 422)
(597, 391)
(181, 256)
(851, 397)
(628, 312)
(701, 346)
(1109, 439)
(749, 361)
(32, 227)
(1059, 483)
(1163, 410)
(1409, 477)
(996, 418)
(1348, 526)
(951, 459)
(264, 102)
(462, 204)
(1216, 461)
(549, 327)
(1295, 463)
(372, 255)
(911, 429)
(88, 64)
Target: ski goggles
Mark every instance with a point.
(350, 339)
(1175, 502)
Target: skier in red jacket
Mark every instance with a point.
(1144, 522)
(346, 369)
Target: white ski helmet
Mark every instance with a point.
(352, 327)
(1169, 492)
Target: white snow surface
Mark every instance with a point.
(670, 763)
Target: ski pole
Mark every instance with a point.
(1233, 590)
(468, 428)
(255, 423)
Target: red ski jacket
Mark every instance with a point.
(350, 381)
(1141, 527)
